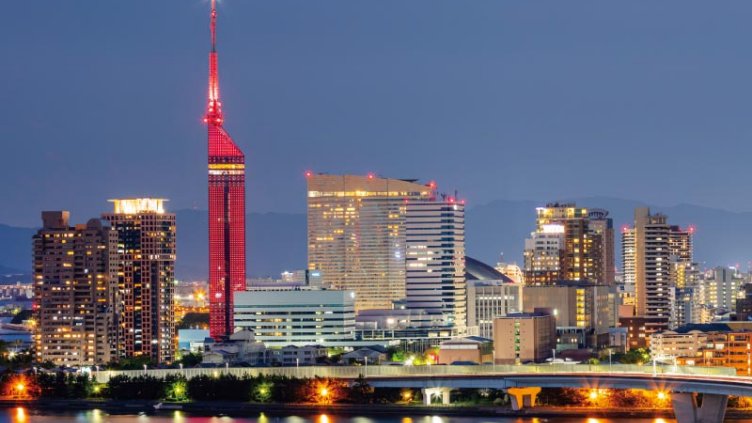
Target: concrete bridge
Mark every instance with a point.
(522, 383)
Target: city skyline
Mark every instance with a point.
(287, 102)
(391, 287)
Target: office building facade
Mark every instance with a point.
(356, 234)
(297, 316)
(487, 300)
(435, 259)
(585, 246)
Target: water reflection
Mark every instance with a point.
(20, 415)
(25, 415)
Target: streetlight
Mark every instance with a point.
(609, 360)
(554, 359)
(366, 359)
(20, 388)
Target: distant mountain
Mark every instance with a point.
(277, 241)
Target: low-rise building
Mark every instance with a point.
(524, 337)
(639, 329)
(681, 342)
(713, 344)
(468, 350)
(240, 347)
(583, 310)
(292, 355)
(414, 330)
(373, 354)
(489, 299)
(297, 316)
(728, 349)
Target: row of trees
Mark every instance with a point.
(276, 389)
(202, 388)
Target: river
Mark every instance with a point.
(22, 415)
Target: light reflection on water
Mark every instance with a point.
(23, 415)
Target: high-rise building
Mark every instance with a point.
(723, 286)
(146, 278)
(543, 252)
(75, 276)
(601, 227)
(435, 259)
(585, 246)
(686, 307)
(683, 270)
(628, 257)
(650, 241)
(226, 207)
(356, 234)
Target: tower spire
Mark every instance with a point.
(214, 25)
(214, 108)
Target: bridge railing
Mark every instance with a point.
(351, 372)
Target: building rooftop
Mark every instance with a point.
(476, 270)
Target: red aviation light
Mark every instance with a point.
(371, 175)
(308, 173)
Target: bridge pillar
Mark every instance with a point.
(713, 408)
(445, 399)
(523, 397)
(429, 393)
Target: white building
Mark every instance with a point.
(487, 300)
(722, 286)
(543, 255)
(297, 317)
(435, 259)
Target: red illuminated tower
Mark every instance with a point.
(226, 207)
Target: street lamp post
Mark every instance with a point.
(609, 360)
(366, 371)
(655, 367)
(554, 359)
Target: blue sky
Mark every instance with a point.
(499, 99)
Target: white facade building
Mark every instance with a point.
(297, 317)
(435, 259)
(487, 300)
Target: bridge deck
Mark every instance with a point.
(711, 380)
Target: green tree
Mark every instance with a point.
(361, 391)
(190, 359)
(194, 320)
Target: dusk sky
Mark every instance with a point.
(539, 100)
